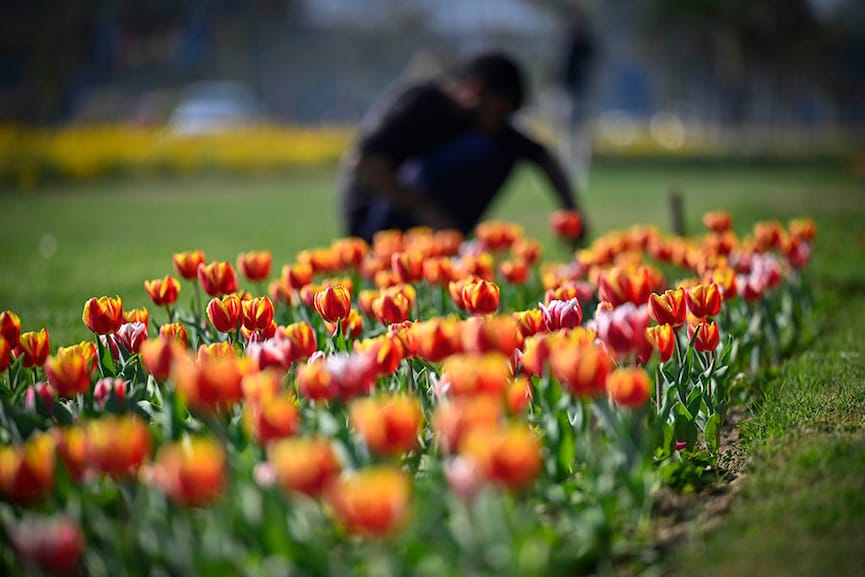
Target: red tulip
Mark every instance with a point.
(186, 263)
(48, 546)
(104, 315)
(10, 328)
(373, 502)
(225, 313)
(668, 308)
(217, 278)
(257, 314)
(333, 303)
(34, 347)
(255, 265)
(567, 223)
(629, 387)
(164, 291)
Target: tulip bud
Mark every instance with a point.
(509, 456)
(388, 425)
(481, 297)
(303, 465)
(333, 303)
(34, 347)
(629, 387)
(373, 502)
(48, 546)
(225, 313)
(257, 313)
(103, 315)
(10, 328)
(164, 291)
(186, 263)
(255, 265)
(192, 471)
(668, 308)
(663, 338)
(176, 331)
(703, 300)
(567, 223)
(707, 336)
(217, 278)
(27, 471)
(561, 314)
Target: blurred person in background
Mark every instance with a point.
(440, 151)
(579, 60)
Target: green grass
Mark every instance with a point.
(113, 234)
(803, 508)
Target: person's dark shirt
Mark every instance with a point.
(420, 121)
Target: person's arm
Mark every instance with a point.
(377, 172)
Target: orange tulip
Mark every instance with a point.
(452, 420)
(725, 278)
(707, 336)
(481, 297)
(5, 354)
(518, 395)
(703, 300)
(802, 229)
(351, 251)
(27, 471)
(71, 447)
(257, 314)
(717, 221)
(117, 446)
(530, 322)
(272, 417)
(373, 502)
(388, 425)
(225, 313)
(447, 241)
(34, 347)
(471, 374)
(527, 250)
(297, 276)
(333, 303)
(303, 465)
(186, 263)
(315, 382)
(69, 373)
(157, 356)
(255, 265)
(620, 285)
(47, 546)
(10, 328)
(567, 223)
(302, 339)
(387, 350)
(103, 315)
(509, 456)
(163, 291)
(663, 338)
(176, 331)
(491, 334)
(498, 235)
(768, 234)
(514, 271)
(668, 308)
(536, 353)
(211, 383)
(476, 265)
(436, 339)
(140, 315)
(438, 271)
(582, 369)
(191, 472)
(351, 326)
(629, 387)
(407, 266)
(391, 307)
(217, 278)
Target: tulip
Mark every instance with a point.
(373, 502)
(477, 265)
(351, 251)
(567, 223)
(164, 291)
(536, 352)
(436, 339)
(10, 328)
(527, 250)
(34, 347)
(717, 221)
(438, 271)
(481, 297)
(668, 308)
(491, 334)
(186, 263)
(103, 315)
(391, 308)
(407, 266)
(518, 395)
(386, 350)
(302, 338)
(129, 336)
(303, 465)
(48, 546)
(257, 314)
(561, 314)
(388, 425)
(315, 383)
(255, 265)
(157, 356)
(217, 278)
(707, 336)
(176, 331)
(211, 383)
(530, 322)
(624, 330)
(109, 387)
(351, 326)
(39, 397)
(452, 420)
(620, 285)
(447, 241)
(225, 313)
(629, 387)
(191, 472)
(498, 235)
(510, 456)
(703, 300)
(582, 369)
(272, 417)
(69, 372)
(663, 338)
(333, 303)
(802, 229)
(297, 276)
(514, 271)
(27, 471)
(72, 450)
(353, 374)
(471, 374)
(117, 446)
(5, 354)
(140, 315)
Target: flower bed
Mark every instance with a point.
(426, 405)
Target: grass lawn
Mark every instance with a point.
(63, 243)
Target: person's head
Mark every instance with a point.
(492, 84)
